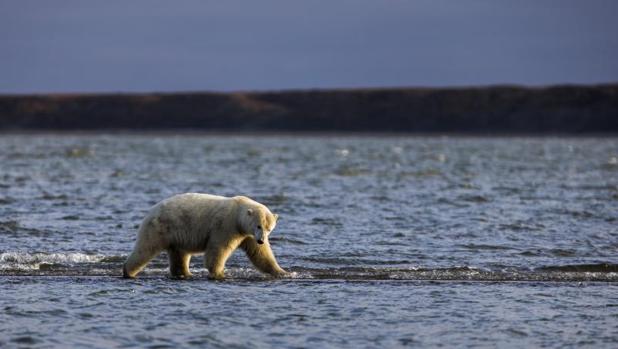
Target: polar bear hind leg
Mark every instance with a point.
(179, 263)
(146, 248)
(138, 260)
(215, 261)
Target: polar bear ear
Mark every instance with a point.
(249, 211)
(276, 216)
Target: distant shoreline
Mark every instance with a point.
(562, 110)
(308, 134)
(70, 93)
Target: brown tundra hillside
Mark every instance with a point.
(495, 109)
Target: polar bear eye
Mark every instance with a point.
(259, 227)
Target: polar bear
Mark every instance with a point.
(194, 223)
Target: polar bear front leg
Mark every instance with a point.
(215, 261)
(262, 257)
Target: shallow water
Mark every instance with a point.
(392, 241)
(158, 312)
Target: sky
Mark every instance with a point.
(151, 45)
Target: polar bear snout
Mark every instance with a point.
(260, 237)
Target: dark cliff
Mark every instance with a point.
(499, 109)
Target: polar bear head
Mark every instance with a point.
(258, 221)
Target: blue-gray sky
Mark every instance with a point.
(146, 45)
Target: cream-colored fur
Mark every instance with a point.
(193, 223)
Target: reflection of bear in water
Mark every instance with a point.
(194, 223)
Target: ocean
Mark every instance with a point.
(391, 241)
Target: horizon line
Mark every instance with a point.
(307, 89)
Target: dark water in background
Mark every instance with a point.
(393, 241)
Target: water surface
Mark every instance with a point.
(396, 241)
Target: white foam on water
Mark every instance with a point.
(297, 275)
(33, 261)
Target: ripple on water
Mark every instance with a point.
(26, 340)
